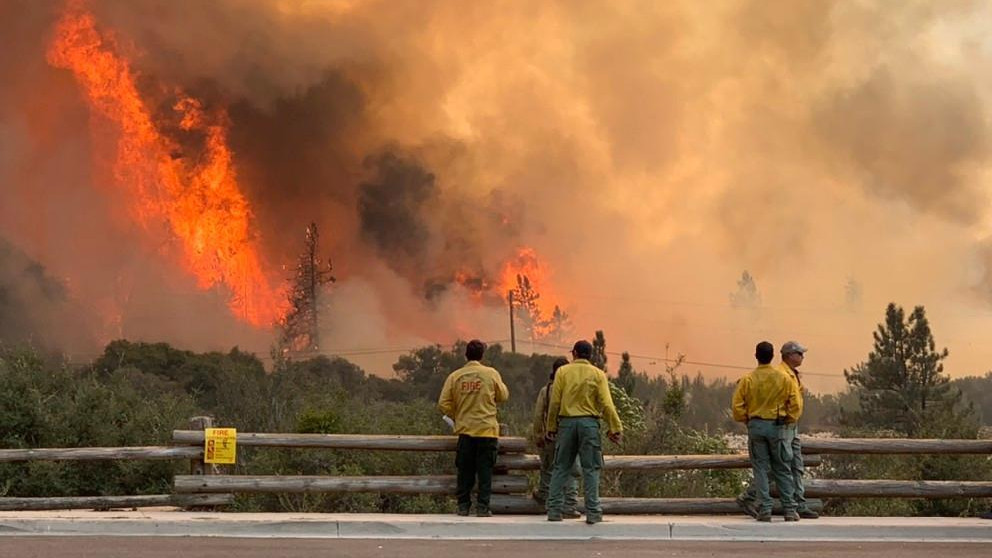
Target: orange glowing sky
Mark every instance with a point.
(648, 153)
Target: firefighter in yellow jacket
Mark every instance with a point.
(469, 396)
(793, 355)
(546, 450)
(768, 400)
(580, 396)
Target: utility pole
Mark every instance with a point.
(513, 333)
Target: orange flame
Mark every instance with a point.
(527, 264)
(198, 196)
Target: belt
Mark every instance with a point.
(780, 420)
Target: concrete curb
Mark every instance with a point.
(445, 527)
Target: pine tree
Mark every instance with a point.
(301, 327)
(528, 313)
(599, 351)
(676, 390)
(747, 295)
(626, 378)
(853, 294)
(902, 385)
(558, 328)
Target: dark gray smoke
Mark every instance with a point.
(298, 160)
(393, 207)
(36, 308)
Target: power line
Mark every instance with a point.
(375, 351)
(381, 351)
(837, 308)
(692, 362)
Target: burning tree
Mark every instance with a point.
(530, 317)
(524, 298)
(300, 328)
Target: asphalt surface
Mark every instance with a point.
(131, 547)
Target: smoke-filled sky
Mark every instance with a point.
(648, 152)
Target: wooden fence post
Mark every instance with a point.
(198, 466)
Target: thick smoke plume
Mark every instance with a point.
(649, 152)
(36, 308)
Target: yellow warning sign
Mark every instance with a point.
(220, 446)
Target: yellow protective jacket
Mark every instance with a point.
(768, 392)
(581, 390)
(470, 395)
(794, 374)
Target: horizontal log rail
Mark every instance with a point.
(526, 462)
(515, 461)
(844, 488)
(216, 490)
(109, 502)
(424, 484)
(517, 504)
(100, 454)
(348, 441)
(894, 446)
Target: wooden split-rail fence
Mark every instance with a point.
(205, 487)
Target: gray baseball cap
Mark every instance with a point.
(792, 347)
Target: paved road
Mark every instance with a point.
(140, 547)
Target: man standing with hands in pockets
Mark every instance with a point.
(767, 400)
(792, 358)
(580, 396)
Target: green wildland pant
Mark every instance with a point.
(547, 467)
(770, 447)
(475, 457)
(577, 436)
(798, 469)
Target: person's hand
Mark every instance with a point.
(615, 437)
(540, 443)
(550, 436)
